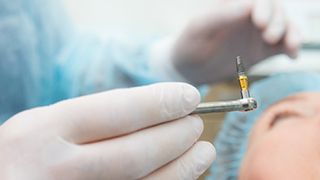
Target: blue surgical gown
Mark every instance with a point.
(44, 60)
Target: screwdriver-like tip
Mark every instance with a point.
(240, 67)
(238, 60)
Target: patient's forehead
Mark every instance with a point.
(303, 99)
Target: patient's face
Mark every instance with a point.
(285, 141)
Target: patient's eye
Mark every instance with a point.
(283, 115)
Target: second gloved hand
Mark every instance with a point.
(253, 29)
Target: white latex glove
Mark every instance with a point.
(132, 133)
(253, 29)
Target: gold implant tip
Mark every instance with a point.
(243, 79)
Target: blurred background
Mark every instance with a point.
(147, 18)
(162, 18)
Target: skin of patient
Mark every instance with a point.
(285, 141)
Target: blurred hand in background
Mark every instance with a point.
(252, 29)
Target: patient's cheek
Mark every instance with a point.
(262, 165)
(282, 157)
(254, 167)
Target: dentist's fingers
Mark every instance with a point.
(189, 166)
(276, 29)
(292, 41)
(262, 13)
(136, 155)
(113, 113)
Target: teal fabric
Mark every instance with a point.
(231, 142)
(44, 60)
(31, 36)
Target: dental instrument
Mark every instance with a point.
(246, 103)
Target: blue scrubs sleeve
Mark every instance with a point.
(44, 60)
(92, 64)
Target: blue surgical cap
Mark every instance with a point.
(231, 142)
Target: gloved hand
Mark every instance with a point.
(135, 133)
(252, 29)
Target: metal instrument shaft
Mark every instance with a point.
(247, 104)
